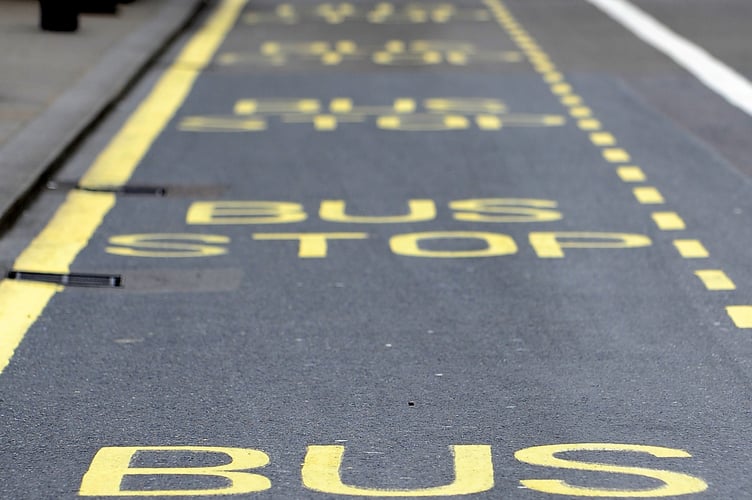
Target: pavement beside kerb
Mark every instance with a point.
(54, 86)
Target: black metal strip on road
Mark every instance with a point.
(124, 190)
(71, 279)
(204, 191)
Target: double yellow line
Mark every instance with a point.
(81, 214)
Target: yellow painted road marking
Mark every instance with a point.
(648, 195)
(70, 229)
(117, 162)
(404, 105)
(631, 174)
(668, 221)
(691, 249)
(741, 315)
(715, 279)
(615, 155)
(221, 124)
(455, 121)
(602, 139)
(488, 122)
(22, 302)
(325, 122)
(111, 465)
(580, 112)
(310, 245)
(589, 124)
(561, 89)
(673, 483)
(473, 473)
(331, 58)
(341, 105)
(571, 100)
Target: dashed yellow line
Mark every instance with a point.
(648, 195)
(691, 249)
(631, 173)
(589, 124)
(668, 221)
(740, 315)
(561, 89)
(571, 100)
(580, 112)
(602, 139)
(713, 279)
(616, 155)
(404, 105)
(70, 229)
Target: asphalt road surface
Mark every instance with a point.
(497, 248)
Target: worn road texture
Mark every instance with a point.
(384, 249)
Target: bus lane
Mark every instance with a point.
(396, 246)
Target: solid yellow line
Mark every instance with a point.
(715, 279)
(116, 164)
(20, 305)
(78, 218)
(740, 315)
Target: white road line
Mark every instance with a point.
(723, 80)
